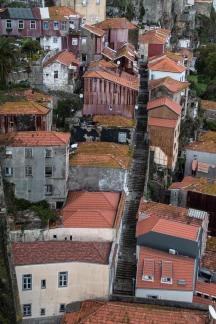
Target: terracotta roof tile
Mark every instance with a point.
(164, 101)
(182, 268)
(60, 13)
(60, 251)
(91, 209)
(100, 312)
(33, 95)
(115, 23)
(23, 108)
(125, 80)
(165, 64)
(38, 138)
(209, 259)
(126, 51)
(101, 154)
(206, 288)
(109, 53)
(113, 121)
(196, 184)
(152, 37)
(94, 30)
(208, 105)
(102, 64)
(176, 57)
(185, 52)
(64, 57)
(206, 143)
(159, 122)
(169, 83)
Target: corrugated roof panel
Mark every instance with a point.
(20, 13)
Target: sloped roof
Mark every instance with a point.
(125, 80)
(162, 122)
(21, 13)
(164, 101)
(104, 312)
(60, 13)
(127, 51)
(186, 53)
(206, 288)
(206, 143)
(102, 64)
(90, 209)
(64, 57)
(183, 268)
(60, 251)
(165, 64)
(38, 138)
(196, 184)
(109, 53)
(114, 121)
(169, 83)
(208, 105)
(94, 30)
(23, 108)
(115, 23)
(152, 37)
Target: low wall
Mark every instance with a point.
(96, 179)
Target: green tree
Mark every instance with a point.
(9, 54)
(30, 47)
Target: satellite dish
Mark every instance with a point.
(212, 312)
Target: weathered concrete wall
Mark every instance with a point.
(204, 157)
(97, 179)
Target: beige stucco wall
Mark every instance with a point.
(85, 280)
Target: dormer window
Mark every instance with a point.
(167, 272)
(148, 270)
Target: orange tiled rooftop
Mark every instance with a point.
(196, 184)
(208, 105)
(23, 108)
(114, 121)
(206, 143)
(103, 312)
(60, 12)
(101, 154)
(115, 23)
(165, 64)
(169, 83)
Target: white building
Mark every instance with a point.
(52, 274)
(163, 66)
(37, 163)
(60, 71)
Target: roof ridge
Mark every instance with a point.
(97, 249)
(93, 313)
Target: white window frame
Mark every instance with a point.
(74, 41)
(33, 24)
(21, 24)
(26, 282)
(50, 191)
(55, 25)
(46, 23)
(27, 311)
(61, 308)
(83, 40)
(62, 279)
(8, 24)
(43, 286)
(64, 25)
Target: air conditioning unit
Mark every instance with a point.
(172, 251)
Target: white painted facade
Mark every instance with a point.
(178, 295)
(61, 234)
(184, 43)
(85, 281)
(49, 43)
(154, 75)
(160, 158)
(57, 76)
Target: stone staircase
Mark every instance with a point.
(124, 283)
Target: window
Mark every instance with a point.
(122, 137)
(43, 311)
(55, 25)
(48, 171)
(84, 3)
(55, 40)
(27, 282)
(74, 41)
(63, 278)
(45, 25)
(43, 284)
(21, 24)
(64, 25)
(8, 24)
(62, 308)
(26, 310)
(48, 190)
(152, 297)
(55, 74)
(8, 153)
(84, 57)
(33, 24)
(48, 153)
(71, 24)
(8, 172)
(28, 171)
(97, 2)
(83, 40)
(28, 153)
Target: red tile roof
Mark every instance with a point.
(115, 23)
(64, 57)
(100, 312)
(165, 64)
(164, 101)
(23, 108)
(60, 13)
(186, 53)
(36, 96)
(208, 105)
(206, 288)
(152, 37)
(109, 53)
(91, 209)
(205, 143)
(94, 30)
(103, 64)
(169, 83)
(38, 138)
(182, 268)
(125, 80)
(159, 122)
(60, 251)
(127, 51)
